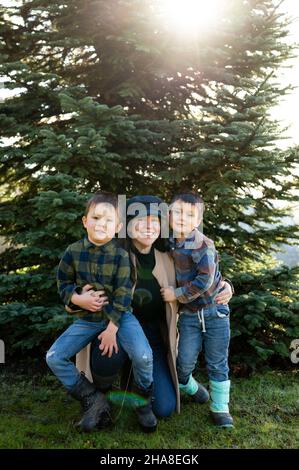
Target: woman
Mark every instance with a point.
(152, 269)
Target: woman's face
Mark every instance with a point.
(144, 230)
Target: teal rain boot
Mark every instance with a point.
(219, 405)
(196, 391)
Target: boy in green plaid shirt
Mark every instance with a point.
(88, 269)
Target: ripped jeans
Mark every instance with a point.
(130, 336)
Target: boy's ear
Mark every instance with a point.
(84, 221)
(119, 227)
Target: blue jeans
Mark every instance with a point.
(129, 335)
(164, 395)
(215, 342)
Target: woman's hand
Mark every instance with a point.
(225, 295)
(168, 294)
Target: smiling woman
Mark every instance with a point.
(190, 16)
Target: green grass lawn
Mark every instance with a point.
(37, 413)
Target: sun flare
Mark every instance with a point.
(191, 16)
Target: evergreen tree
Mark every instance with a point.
(111, 97)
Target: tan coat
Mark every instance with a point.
(165, 274)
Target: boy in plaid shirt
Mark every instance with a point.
(203, 323)
(88, 269)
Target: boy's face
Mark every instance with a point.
(184, 217)
(101, 223)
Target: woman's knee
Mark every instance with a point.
(164, 408)
(106, 366)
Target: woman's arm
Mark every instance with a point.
(226, 294)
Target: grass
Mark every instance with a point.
(36, 413)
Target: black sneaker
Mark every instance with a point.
(222, 420)
(201, 396)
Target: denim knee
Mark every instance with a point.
(53, 359)
(143, 361)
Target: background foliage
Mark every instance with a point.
(109, 96)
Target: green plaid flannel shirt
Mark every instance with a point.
(105, 267)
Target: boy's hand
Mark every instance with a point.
(225, 295)
(168, 294)
(108, 340)
(89, 300)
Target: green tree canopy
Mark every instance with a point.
(108, 95)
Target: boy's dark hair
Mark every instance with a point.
(101, 197)
(189, 197)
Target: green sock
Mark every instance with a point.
(191, 386)
(219, 396)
